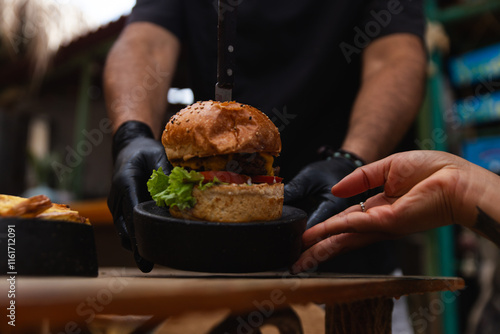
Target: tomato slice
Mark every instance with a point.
(266, 179)
(223, 176)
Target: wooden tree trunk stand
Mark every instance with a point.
(369, 316)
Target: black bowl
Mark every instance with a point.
(47, 248)
(218, 247)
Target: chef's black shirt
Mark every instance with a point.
(296, 60)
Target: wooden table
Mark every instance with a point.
(354, 304)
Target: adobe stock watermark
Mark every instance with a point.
(468, 112)
(87, 310)
(30, 21)
(281, 118)
(29, 29)
(151, 80)
(74, 156)
(371, 30)
(437, 136)
(265, 309)
(408, 168)
(424, 316)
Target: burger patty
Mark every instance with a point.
(241, 163)
(251, 164)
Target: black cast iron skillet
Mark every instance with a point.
(218, 247)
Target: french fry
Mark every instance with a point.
(39, 207)
(30, 207)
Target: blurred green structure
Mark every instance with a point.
(441, 255)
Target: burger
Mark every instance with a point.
(222, 155)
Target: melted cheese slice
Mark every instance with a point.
(269, 163)
(221, 162)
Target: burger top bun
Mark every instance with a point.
(210, 128)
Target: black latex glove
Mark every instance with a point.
(135, 154)
(311, 188)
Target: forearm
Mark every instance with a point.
(138, 74)
(389, 99)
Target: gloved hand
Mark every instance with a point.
(135, 154)
(311, 188)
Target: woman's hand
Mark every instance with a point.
(422, 190)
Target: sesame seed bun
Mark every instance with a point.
(212, 128)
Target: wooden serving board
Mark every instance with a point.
(76, 301)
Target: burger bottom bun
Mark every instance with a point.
(235, 203)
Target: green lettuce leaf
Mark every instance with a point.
(176, 189)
